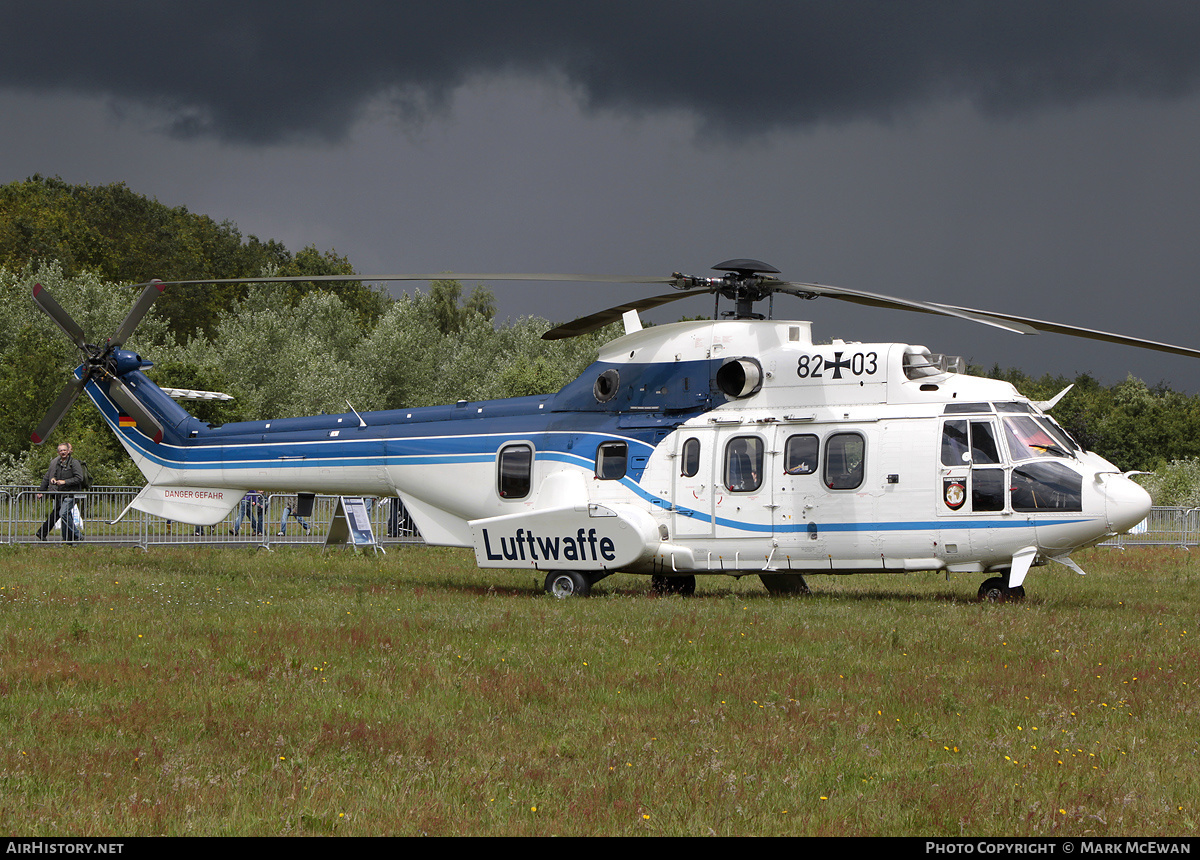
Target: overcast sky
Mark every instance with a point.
(1039, 158)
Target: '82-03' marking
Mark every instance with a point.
(820, 367)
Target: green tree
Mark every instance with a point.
(449, 313)
(128, 238)
(1130, 424)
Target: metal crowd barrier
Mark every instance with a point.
(28, 512)
(1179, 527)
(26, 509)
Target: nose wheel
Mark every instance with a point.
(996, 590)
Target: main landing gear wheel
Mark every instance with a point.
(568, 583)
(784, 583)
(996, 590)
(664, 585)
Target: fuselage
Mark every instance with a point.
(696, 447)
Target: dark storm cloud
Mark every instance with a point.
(268, 72)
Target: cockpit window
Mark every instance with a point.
(983, 443)
(969, 443)
(955, 448)
(1028, 439)
(1015, 406)
(1046, 487)
(1056, 430)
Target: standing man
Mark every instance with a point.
(63, 479)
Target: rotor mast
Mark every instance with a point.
(743, 284)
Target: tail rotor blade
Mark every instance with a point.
(153, 290)
(57, 410)
(47, 302)
(133, 407)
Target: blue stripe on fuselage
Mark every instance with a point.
(470, 432)
(296, 443)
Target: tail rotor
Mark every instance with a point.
(98, 363)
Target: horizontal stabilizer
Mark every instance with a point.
(194, 394)
(197, 506)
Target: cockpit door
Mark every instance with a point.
(972, 470)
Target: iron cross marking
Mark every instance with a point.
(837, 364)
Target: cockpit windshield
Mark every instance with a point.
(1056, 430)
(1030, 438)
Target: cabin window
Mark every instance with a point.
(800, 454)
(514, 466)
(691, 458)
(612, 460)
(845, 461)
(1046, 486)
(743, 464)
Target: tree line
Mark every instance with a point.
(295, 349)
(280, 350)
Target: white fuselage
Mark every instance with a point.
(699, 447)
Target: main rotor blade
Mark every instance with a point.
(600, 319)
(47, 302)
(877, 300)
(153, 290)
(1009, 322)
(133, 407)
(441, 276)
(57, 410)
(1089, 333)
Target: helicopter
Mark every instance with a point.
(731, 446)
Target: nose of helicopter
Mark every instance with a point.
(1126, 503)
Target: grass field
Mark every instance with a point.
(240, 692)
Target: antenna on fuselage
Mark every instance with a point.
(361, 423)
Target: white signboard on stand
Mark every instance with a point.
(351, 525)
